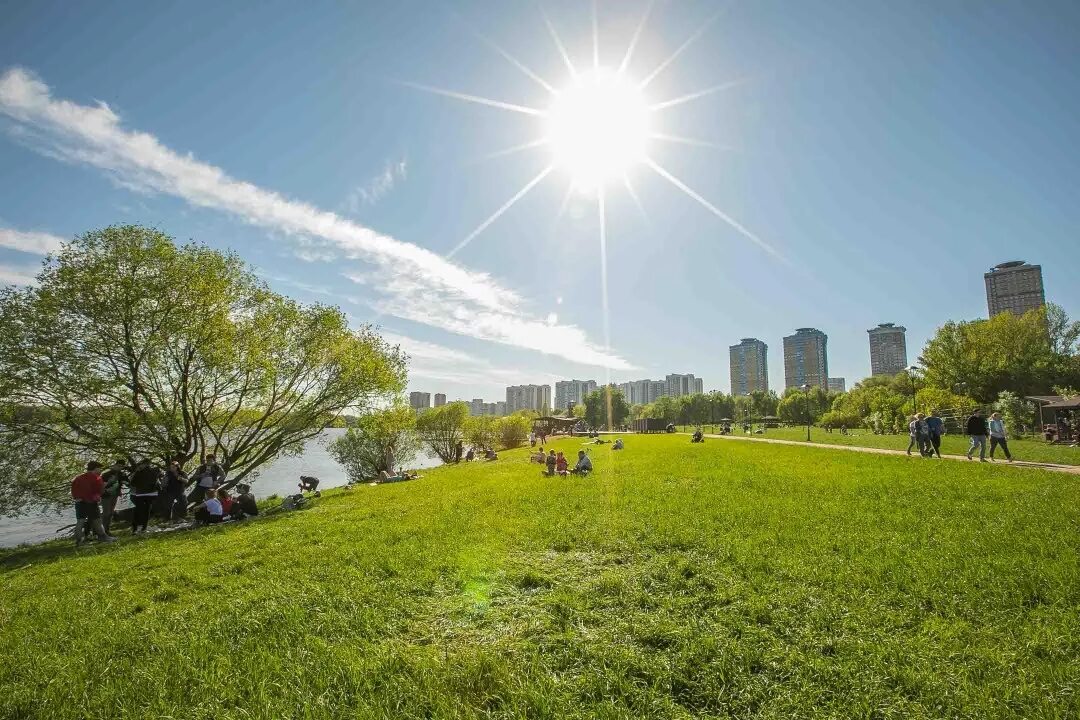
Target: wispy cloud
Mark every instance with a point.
(17, 275)
(36, 243)
(407, 275)
(378, 187)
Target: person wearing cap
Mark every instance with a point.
(86, 491)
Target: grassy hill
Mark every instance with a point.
(678, 581)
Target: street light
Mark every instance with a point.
(911, 376)
(805, 387)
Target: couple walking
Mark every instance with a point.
(978, 429)
(926, 433)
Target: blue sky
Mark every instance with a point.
(890, 153)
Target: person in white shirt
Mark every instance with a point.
(584, 464)
(997, 436)
(210, 511)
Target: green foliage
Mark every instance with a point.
(1017, 412)
(606, 407)
(483, 432)
(730, 579)
(132, 346)
(376, 440)
(798, 406)
(514, 431)
(1025, 354)
(441, 429)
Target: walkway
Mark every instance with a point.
(1054, 467)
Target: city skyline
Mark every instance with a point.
(356, 190)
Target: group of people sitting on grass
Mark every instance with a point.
(557, 463)
(925, 433)
(153, 491)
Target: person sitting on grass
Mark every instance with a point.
(309, 484)
(618, 445)
(539, 457)
(244, 505)
(490, 454)
(698, 436)
(584, 464)
(470, 456)
(561, 464)
(226, 503)
(209, 512)
(551, 462)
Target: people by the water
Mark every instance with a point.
(145, 486)
(244, 504)
(458, 450)
(226, 501)
(116, 478)
(490, 454)
(309, 484)
(470, 456)
(175, 486)
(86, 489)
(209, 512)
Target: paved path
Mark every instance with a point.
(1055, 467)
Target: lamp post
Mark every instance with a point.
(911, 376)
(805, 387)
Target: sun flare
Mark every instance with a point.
(598, 128)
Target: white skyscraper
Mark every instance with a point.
(572, 391)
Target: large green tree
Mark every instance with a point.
(132, 346)
(606, 407)
(441, 429)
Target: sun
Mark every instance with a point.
(598, 128)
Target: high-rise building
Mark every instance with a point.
(528, 397)
(572, 391)
(837, 385)
(749, 366)
(476, 406)
(419, 400)
(440, 399)
(888, 349)
(1014, 287)
(806, 359)
(641, 392)
(679, 385)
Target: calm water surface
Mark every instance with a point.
(277, 478)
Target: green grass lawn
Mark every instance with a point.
(715, 580)
(1021, 448)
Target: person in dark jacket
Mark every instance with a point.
(936, 428)
(145, 486)
(115, 478)
(977, 431)
(244, 505)
(175, 487)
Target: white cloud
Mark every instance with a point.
(36, 243)
(378, 187)
(415, 283)
(432, 361)
(17, 275)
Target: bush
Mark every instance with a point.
(375, 441)
(514, 431)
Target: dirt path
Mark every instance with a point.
(1055, 467)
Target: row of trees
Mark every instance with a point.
(397, 433)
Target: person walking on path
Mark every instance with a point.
(145, 486)
(935, 427)
(86, 490)
(919, 435)
(997, 436)
(115, 479)
(977, 432)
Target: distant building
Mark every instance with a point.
(440, 399)
(837, 385)
(888, 349)
(476, 407)
(679, 385)
(642, 392)
(806, 358)
(419, 400)
(528, 397)
(572, 391)
(1014, 287)
(749, 366)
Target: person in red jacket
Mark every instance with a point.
(86, 490)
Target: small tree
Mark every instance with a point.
(1015, 410)
(442, 429)
(606, 407)
(482, 432)
(514, 431)
(366, 448)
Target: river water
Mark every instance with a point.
(278, 478)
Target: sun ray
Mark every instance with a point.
(604, 293)
(679, 50)
(474, 99)
(595, 38)
(515, 149)
(695, 95)
(634, 40)
(517, 63)
(565, 202)
(680, 140)
(634, 196)
(558, 44)
(498, 213)
(713, 209)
